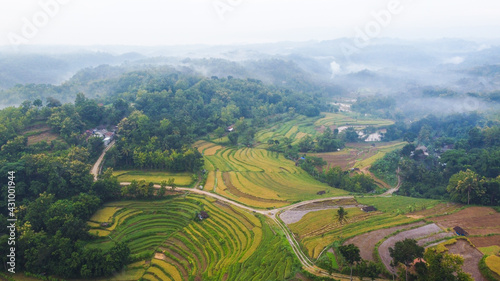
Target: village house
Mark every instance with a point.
(102, 133)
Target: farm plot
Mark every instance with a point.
(231, 242)
(338, 120)
(294, 130)
(366, 242)
(398, 204)
(424, 234)
(260, 178)
(318, 229)
(181, 179)
(474, 220)
(493, 262)
(358, 155)
(144, 225)
(440, 209)
(471, 256)
(296, 214)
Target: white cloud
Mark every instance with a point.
(454, 60)
(160, 22)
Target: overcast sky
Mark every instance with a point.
(174, 22)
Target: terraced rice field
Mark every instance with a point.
(257, 177)
(181, 179)
(302, 126)
(316, 230)
(229, 245)
(358, 155)
(338, 120)
(295, 130)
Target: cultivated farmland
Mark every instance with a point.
(302, 126)
(318, 229)
(181, 179)
(258, 178)
(229, 245)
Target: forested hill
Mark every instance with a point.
(160, 74)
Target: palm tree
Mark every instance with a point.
(341, 217)
(465, 183)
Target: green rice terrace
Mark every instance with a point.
(302, 126)
(169, 241)
(257, 177)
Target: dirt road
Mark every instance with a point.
(97, 165)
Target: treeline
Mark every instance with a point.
(336, 177)
(444, 154)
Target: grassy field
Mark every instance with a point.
(181, 179)
(257, 177)
(232, 244)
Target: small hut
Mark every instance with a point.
(369, 209)
(460, 231)
(203, 215)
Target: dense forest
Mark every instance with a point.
(443, 151)
(55, 192)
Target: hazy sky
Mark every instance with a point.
(173, 22)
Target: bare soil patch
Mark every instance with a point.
(485, 241)
(366, 242)
(421, 232)
(344, 159)
(474, 220)
(471, 255)
(45, 136)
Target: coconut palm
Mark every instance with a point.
(341, 217)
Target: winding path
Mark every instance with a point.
(97, 166)
(396, 188)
